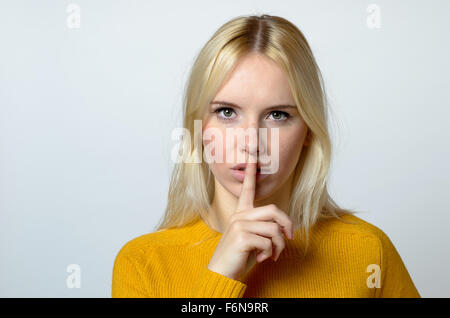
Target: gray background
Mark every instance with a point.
(87, 114)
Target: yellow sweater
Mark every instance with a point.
(343, 260)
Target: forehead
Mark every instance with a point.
(256, 81)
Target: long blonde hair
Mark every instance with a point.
(191, 187)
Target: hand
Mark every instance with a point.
(252, 234)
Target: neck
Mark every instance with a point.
(224, 204)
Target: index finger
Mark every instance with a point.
(248, 188)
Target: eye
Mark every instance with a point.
(278, 115)
(226, 111)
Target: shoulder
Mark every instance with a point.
(140, 247)
(353, 239)
(351, 226)
(374, 247)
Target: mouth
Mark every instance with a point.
(238, 173)
(242, 166)
(243, 169)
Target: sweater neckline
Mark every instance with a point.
(200, 230)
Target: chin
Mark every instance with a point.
(264, 189)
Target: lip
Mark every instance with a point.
(244, 165)
(239, 175)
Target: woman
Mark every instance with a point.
(236, 230)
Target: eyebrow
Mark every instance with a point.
(237, 106)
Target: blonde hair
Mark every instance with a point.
(191, 186)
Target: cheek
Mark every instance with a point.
(290, 148)
(214, 142)
(215, 145)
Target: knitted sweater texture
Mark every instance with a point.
(342, 260)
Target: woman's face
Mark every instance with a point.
(254, 86)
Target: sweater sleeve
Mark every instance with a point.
(395, 279)
(127, 279)
(210, 284)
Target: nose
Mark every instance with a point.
(251, 135)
